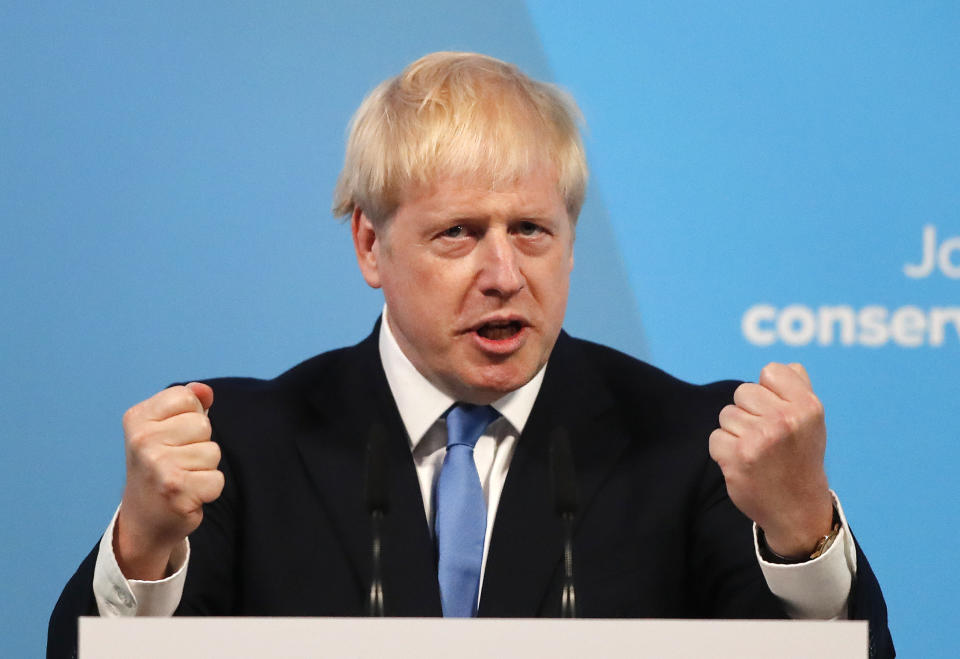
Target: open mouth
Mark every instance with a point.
(500, 330)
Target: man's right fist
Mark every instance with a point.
(171, 472)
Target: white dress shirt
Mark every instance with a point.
(815, 589)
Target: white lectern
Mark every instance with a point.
(429, 638)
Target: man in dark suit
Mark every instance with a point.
(463, 181)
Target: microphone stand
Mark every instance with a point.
(375, 601)
(375, 498)
(568, 597)
(565, 500)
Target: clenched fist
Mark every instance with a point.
(770, 447)
(171, 472)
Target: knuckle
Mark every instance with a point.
(218, 484)
(204, 429)
(191, 428)
(748, 455)
(152, 459)
(714, 446)
(727, 412)
(138, 438)
(779, 424)
(171, 485)
(745, 392)
(788, 423)
(130, 416)
(178, 399)
(183, 506)
(166, 461)
(712, 440)
(770, 432)
(211, 486)
(185, 397)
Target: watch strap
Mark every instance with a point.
(823, 544)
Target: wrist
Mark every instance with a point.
(794, 530)
(814, 550)
(138, 556)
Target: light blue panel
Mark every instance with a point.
(165, 180)
(792, 154)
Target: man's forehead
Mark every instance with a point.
(537, 190)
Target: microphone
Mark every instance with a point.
(375, 499)
(563, 482)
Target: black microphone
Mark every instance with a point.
(565, 501)
(375, 498)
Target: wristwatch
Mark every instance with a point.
(823, 544)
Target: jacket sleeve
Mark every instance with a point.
(76, 600)
(867, 603)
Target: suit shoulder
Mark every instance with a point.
(629, 378)
(242, 404)
(318, 371)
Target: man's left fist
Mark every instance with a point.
(770, 447)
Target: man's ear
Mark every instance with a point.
(366, 243)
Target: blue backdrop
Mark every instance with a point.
(770, 182)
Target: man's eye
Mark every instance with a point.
(453, 232)
(529, 229)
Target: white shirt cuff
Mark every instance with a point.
(118, 596)
(819, 588)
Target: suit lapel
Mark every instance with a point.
(526, 542)
(525, 546)
(333, 452)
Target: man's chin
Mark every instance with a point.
(492, 383)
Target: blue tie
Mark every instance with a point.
(461, 520)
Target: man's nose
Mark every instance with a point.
(500, 273)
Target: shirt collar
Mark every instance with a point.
(421, 403)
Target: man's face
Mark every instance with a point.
(475, 280)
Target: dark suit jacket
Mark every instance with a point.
(656, 535)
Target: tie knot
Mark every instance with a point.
(465, 423)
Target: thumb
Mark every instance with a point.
(801, 371)
(203, 392)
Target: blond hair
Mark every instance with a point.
(458, 115)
